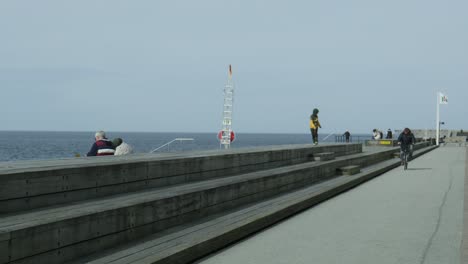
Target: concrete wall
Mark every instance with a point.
(456, 139)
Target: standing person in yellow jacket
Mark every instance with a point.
(314, 125)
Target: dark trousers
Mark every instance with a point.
(314, 132)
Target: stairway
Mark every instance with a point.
(169, 209)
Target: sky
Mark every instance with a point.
(161, 66)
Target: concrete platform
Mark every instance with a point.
(118, 219)
(410, 217)
(189, 242)
(71, 230)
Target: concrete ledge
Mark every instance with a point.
(324, 156)
(30, 185)
(349, 170)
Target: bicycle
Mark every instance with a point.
(404, 158)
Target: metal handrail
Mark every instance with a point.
(325, 138)
(170, 142)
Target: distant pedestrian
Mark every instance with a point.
(389, 134)
(347, 135)
(102, 146)
(314, 126)
(121, 148)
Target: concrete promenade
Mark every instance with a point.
(413, 216)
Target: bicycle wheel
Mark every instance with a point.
(406, 161)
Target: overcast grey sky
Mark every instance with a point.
(161, 65)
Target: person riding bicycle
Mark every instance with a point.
(406, 140)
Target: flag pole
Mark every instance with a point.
(438, 120)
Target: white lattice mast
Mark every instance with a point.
(227, 112)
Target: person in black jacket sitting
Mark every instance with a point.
(389, 134)
(102, 146)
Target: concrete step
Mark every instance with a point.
(29, 185)
(349, 170)
(188, 243)
(62, 233)
(324, 156)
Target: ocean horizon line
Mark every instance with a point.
(179, 132)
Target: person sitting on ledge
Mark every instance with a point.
(389, 134)
(121, 148)
(376, 134)
(102, 146)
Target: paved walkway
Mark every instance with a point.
(407, 217)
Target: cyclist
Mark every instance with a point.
(406, 140)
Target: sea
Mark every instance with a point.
(32, 145)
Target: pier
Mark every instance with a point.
(179, 208)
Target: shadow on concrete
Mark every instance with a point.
(419, 168)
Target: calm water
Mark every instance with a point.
(49, 145)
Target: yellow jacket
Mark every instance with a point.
(314, 123)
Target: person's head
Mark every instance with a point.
(406, 131)
(116, 142)
(315, 111)
(375, 130)
(389, 129)
(100, 135)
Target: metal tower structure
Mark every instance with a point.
(226, 132)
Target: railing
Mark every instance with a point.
(170, 142)
(354, 139)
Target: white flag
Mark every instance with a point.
(443, 99)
